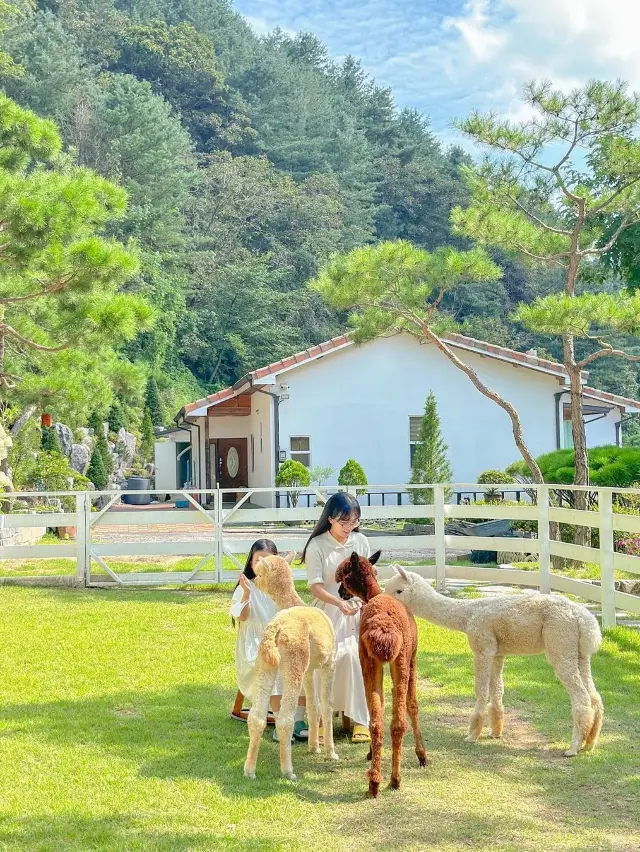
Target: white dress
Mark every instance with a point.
(324, 555)
(261, 610)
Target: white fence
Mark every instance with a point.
(229, 521)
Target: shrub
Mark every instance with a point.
(319, 475)
(148, 440)
(293, 474)
(609, 466)
(49, 440)
(96, 472)
(353, 474)
(495, 477)
(152, 403)
(116, 417)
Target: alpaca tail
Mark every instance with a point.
(590, 637)
(268, 644)
(383, 644)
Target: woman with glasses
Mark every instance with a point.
(333, 540)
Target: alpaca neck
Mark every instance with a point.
(372, 589)
(286, 598)
(440, 610)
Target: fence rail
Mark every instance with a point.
(227, 521)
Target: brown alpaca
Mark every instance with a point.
(388, 634)
(299, 640)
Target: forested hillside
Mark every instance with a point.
(248, 161)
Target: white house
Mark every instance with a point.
(338, 401)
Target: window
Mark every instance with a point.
(414, 433)
(300, 450)
(567, 429)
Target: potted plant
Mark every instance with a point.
(137, 480)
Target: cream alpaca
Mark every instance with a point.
(517, 624)
(299, 640)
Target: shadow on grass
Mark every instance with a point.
(117, 832)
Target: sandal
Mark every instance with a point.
(301, 730)
(360, 734)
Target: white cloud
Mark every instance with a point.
(483, 40)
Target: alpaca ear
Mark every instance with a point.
(290, 557)
(401, 572)
(355, 560)
(373, 559)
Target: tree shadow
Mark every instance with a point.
(118, 831)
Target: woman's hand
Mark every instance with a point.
(245, 585)
(348, 607)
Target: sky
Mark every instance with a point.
(448, 57)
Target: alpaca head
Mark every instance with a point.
(355, 575)
(273, 574)
(405, 586)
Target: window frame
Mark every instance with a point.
(295, 454)
(413, 444)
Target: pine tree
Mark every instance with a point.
(96, 472)
(152, 403)
(49, 440)
(430, 462)
(147, 444)
(103, 448)
(95, 423)
(116, 417)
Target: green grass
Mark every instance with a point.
(115, 735)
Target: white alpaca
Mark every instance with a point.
(516, 624)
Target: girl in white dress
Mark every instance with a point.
(253, 610)
(333, 540)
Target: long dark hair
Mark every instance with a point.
(261, 544)
(341, 506)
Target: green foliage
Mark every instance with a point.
(609, 466)
(430, 462)
(96, 472)
(152, 403)
(52, 471)
(294, 474)
(102, 446)
(22, 455)
(116, 417)
(395, 286)
(494, 477)
(49, 440)
(319, 475)
(61, 281)
(148, 440)
(95, 423)
(351, 473)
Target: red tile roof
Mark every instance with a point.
(491, 350)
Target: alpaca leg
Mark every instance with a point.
(567, 671)
(257, 718)
(312, 710)
(596, 701)
(372, 673)
(400, 676)
(326, 703)
(413, 710)
(483, 664)
(496, 692)
(292, 668)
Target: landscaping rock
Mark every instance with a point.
(65, 437)
(79, 458)
(631, 587)
(130, 443)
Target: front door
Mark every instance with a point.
(232, 462)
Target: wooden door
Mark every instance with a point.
(232, 463)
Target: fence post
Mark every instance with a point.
(83, 531)
(607, 578)
(441, 551)
(543, 539)
(219, 536)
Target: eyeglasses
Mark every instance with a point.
(349, 525)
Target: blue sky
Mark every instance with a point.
(447, 57)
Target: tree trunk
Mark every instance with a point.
(494, 396)
(581, 471)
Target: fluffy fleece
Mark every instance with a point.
(517, 624)
(388, 634)
(298, 640)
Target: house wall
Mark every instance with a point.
(356, 403)
(262, 461)
(603, 431)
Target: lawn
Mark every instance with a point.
(115, 735)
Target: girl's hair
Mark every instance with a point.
(341, 506)
(262, 544)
